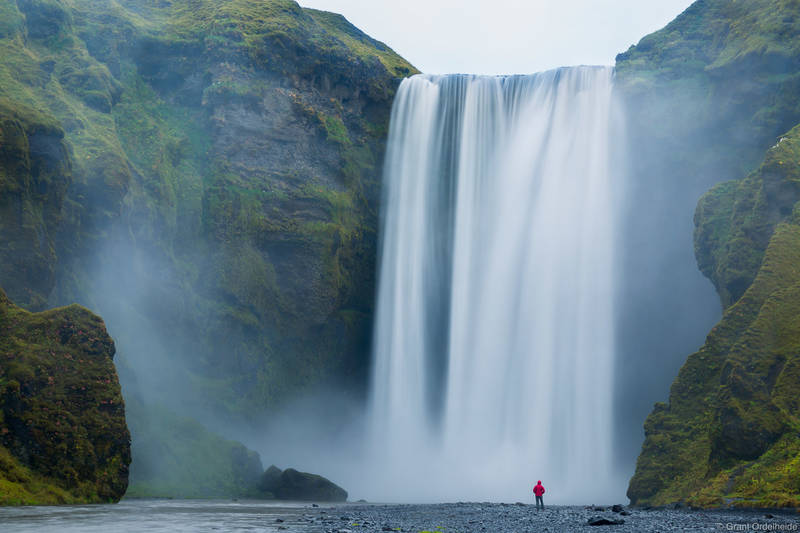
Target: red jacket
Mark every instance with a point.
(538, 490)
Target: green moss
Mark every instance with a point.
(10, 19)
(20, 486)
(730, 430)
(336, 130)
(177, 457)
(261, 255)
(712, 92)
(361, 44)
(63, 436)
(735, 220)
(722, 74)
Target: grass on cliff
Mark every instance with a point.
(19, 485)
(735, 220)
(715, 35)
(276, 34)
(361, 44)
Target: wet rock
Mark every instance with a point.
(270, 479)
(603, 521)
(291, 484)
(617, 508)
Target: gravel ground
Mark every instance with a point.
(202, 516)
(483, 517)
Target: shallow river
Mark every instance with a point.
(200, 516)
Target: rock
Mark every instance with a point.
(768, 516)
(617, 508)
(63, 436)
(625, 513)
(290, 484)
(270, 480)
(602, 521)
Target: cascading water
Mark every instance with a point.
(493, 351)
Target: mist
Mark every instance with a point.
(244, 324)
(659, 311)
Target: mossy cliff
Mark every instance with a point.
(63, 437)
(205, 175)
(730, 432)
(707, 96)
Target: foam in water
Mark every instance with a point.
(493, 350)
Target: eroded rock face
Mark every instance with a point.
(63, 437)
(34, 175)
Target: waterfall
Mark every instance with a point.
(493, 344)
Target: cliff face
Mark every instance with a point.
(205, 175)
(707, 95)
(729, 432)
(63, 437)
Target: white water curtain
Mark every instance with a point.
(493, 350)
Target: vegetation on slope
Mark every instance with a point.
(187, 460)
(707, 96)
(730, 430)
(724, 74)
(713, 92)
(63, 437)
(735, 220)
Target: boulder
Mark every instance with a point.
(603, 521)
(291, 484)
(270, 480)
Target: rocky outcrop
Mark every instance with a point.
(63, 437)
(34, 176)
(716, 89)
(290, 484)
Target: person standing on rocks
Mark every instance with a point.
(538, 491)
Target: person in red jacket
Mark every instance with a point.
(538, 491)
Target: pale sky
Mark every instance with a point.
(505, 36)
